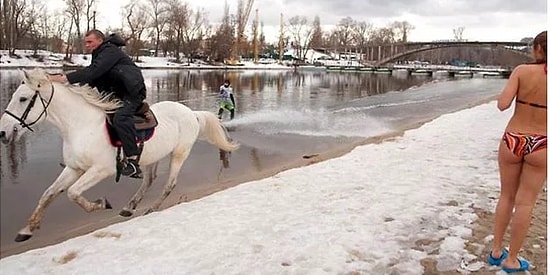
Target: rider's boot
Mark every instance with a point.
(132, 169)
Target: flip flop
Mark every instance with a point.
(523, 266)
(497, 261)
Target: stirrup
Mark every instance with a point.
(132, 169)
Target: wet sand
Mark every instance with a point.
(534, 249)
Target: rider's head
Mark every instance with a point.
(93, 39)
(226, 83)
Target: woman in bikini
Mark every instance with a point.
(521, 157)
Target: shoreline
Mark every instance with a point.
(478, 227)
(213, 187)
(208, 188)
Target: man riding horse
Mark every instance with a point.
(113, 71)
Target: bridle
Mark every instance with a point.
(29, 107)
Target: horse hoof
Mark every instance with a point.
(103, 201)
(107, 204)
(22, 237)
(125, 213)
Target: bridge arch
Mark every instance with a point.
(433, 46)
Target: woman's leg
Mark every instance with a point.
(533, 176)
(510, 169)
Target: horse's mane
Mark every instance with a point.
(105, 102)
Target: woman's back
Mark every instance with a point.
(530, 110)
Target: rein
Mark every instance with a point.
(29, 107)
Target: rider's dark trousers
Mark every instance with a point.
(123, 123)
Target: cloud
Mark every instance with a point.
(332, 11)
(508, 20)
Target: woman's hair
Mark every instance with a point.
(540, 39)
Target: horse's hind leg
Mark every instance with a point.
(149, 174)
(67, 177)
(175, 167)
(90, 178)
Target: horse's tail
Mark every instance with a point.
(212, 130)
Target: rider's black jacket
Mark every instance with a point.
(112, 71)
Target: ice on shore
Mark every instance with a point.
(379, 209)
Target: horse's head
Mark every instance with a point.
(28, 105)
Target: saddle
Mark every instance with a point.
(144, 122)
(143, 119)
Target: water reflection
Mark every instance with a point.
(254, 91)
(256, 162)
(14, 155)
(257, 90)
(14, 158)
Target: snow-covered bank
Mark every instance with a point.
(46, 59)
(378, 210)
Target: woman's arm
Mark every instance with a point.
(510, 90)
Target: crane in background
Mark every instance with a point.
(243, 12)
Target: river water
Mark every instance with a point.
(281, 117)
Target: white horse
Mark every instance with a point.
(79, 113)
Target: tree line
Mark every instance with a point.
(174, 28)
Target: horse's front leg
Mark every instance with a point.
(149, 174)
(67, 177)
(90, 178)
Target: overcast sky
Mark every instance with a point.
(483, 20)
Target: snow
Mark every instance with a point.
(24, 59)
(55, 60)
(379, 209)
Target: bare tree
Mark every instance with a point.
(38, 25)
(381, 36)
(137, 20)
(178, 18)
(344, 33)
(402, 29)
(458, 32)
(220, 43)
(18, 21)
(158, 12)
(4, 9)
(261, 39)
(361, 33)
(300, 32)
(57, 30)
(193, 32)
(68, 46)
(317, 35)
(90, 12)
(75, 9)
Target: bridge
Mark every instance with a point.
(379, 55)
